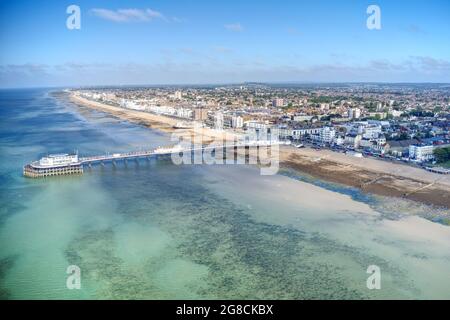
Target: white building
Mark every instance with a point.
(184, 113)
(354, 113)
(218, 121)
(327, 135)
(353, 140)
(421, 153)
(338, 140)
(237, 122)
(255, 124)
(324, 106)
(396, 113)
(58, 160)
(299, 133)
(372, 131)
(301, 118)
(177, 95)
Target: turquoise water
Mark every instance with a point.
(154, 230)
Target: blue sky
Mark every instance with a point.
(182, 42)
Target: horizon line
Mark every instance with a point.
(223, 84)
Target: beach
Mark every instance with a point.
(154, 121)
(370, 175)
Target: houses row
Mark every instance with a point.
(365, 136)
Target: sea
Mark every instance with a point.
(152, 229)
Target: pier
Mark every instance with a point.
(65, 164)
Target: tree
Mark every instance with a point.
(442, 154)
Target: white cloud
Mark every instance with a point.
(432, 64)
(203, 69)
(128, 15)
(236, 27)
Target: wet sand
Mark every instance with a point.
(370, 175)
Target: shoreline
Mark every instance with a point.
(377, 182)
(153, 121)
(368, 175)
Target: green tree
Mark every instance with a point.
(442, 154)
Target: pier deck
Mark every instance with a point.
(36, 170)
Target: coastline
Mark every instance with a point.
(369, 175)
(153, 121)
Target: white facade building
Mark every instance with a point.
(327, 135)
(254, 124)
(237, 122)
(300, 118)
(177, 95)
(421, 153)
(372, 131)
(354, 113)
(218, 121)
(353, 140)
(58, 160)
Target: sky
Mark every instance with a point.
(204, 41)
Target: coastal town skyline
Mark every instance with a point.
(171, 42)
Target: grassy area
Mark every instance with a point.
(444, 164)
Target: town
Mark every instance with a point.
(406, 123)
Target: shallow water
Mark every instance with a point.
(154, 230)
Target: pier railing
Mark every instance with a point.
(34, 170)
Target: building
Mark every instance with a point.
(301, 118)
(218, 121)
(277, 103)
(184, 113)
(400, 148)
(297, 133)
(327, 135)
(177, 95)
(324, 106)
(421, 153)
(227, 121)
(237, 122)
(200, 114)
(339, 140)
(354, 113)
(372, 131)
(353, 140)
(255, 124)
(53, 165)
(59, 160)
(396, 113)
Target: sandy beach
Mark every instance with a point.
(370, 175)
(154, 121)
